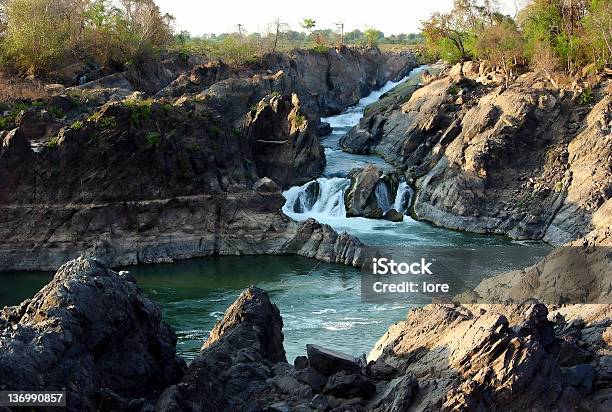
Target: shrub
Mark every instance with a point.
(299, 120)
(586, 97)
(215, 131)
(56, 112)
(140, 111)
(152, 139)
(53, 142)
(77, 125)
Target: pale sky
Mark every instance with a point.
(222, 16)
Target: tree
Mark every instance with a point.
(502, 45)
(373, 36)
(308, 25)
(277, 27)
(446, 37)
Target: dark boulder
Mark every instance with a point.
(329, 362)
(93, 332)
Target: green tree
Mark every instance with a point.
(373, 37)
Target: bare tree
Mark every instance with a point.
(277, 27)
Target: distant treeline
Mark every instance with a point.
(42, 36)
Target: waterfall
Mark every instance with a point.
(382, 196)
(320, 197)
(403, 198)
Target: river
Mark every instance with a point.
(320, 303)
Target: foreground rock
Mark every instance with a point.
(451, 358)
(93, 333)
(242, 366)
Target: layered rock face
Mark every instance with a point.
(325, 82)
(139, 180)
(93, 333)
(285, 146)
(496, 357)
(527, 161)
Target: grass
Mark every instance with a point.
(53, 142)
(140, 111)
(586, 97)
(57, 112)
(299, 120)
(193, 148)
(77, 125)
(152, 139)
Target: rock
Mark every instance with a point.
(38, 126)
(311, 377)
(218, 378)
(393, 216)
(266, 185)
(94, 333)
(285, 146)
(397, 395)
(361, 198)
(319, 402)
(346, 385)
(324, 129)
(496, 366)
(379, 371)
(301, 362)
(329, 362)
(581, 376)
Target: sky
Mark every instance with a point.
(390, 16)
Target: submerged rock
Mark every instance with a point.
(93, 332)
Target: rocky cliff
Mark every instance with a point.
(131, 179)
(529, 160)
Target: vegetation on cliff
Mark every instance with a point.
(554, 35)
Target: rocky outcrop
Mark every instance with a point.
(325, 82)
(527, 160)
(93, 333)
(143, 181)
(453, 358)
(242, 366)
(285, 146)
(371, 193)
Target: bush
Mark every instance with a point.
(152, 139)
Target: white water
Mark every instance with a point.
(381, 192)
(329, 202)
(403, 198)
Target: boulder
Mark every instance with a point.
(360, 198)
(93, 332)
(324, 129)
(38, 125)
(266, 185)
(328, 362)
(346, 385)
(311, 377)
(300, 362)
(393, 216)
